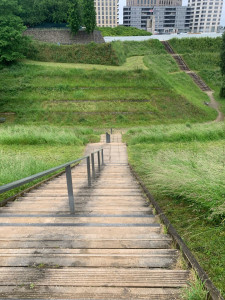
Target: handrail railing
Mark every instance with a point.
(67, 166)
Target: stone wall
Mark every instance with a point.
(63, 36)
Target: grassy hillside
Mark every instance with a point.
(183, 167)
(157, 93)
(203, 56)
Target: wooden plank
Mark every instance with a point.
(101, 293)
(112, 277)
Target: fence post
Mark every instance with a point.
(93, 165)
(70, 189)
(99, 166)
(89, 171)
(102, 158)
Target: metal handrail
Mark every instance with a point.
(67, 166)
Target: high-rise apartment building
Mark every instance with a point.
(107, 13)
(163, 19)
(205, 16)
(154, 3)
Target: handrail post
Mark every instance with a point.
(70, 189)
(107, 137)
(99, 166)
(89, 171)
(102, 158)
(93, 165)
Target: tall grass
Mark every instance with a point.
(183, 162)
(176, 133)
(193, 45)
(27, 150)
(91, 53)
(42, 135)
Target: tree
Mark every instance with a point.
(12, 42)
(74, 17)
(222, 65)
(89, 15)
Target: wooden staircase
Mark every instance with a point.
(112, 248)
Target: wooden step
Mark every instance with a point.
(77, 220)
(85, 242)
(94, 277)
(24, 291)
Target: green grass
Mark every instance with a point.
(203, 56)
(122, 31)
(47, 93)
(92, 53)
(195, 291)
(184, 168)
(27, 150)
(132, 63)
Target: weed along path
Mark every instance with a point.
(112, 247)
(198, 80)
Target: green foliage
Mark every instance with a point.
(99, 98)
(122, 31)
(222, 91)
(52, 11)
(149, 47)
(12, 42)
(223, 55)
(193, 45)
(222, 65)
(118, 48)
(89, 15)
(103, 54)
(195, 291)
(176, 133)
(27, 150)
(204, 56)
(9, 7)
(179, 164)
(45, 135)
(74, 19)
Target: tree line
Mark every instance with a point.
(17, 15)
(75, 12)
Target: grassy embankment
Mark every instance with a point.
(157, 93)
(203, 56)
(122, 31)
(184, 168)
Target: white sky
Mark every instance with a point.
(123, 3)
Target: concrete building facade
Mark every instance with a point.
(167, 19)
(206, 15)
(107, 13)
(153, 3)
